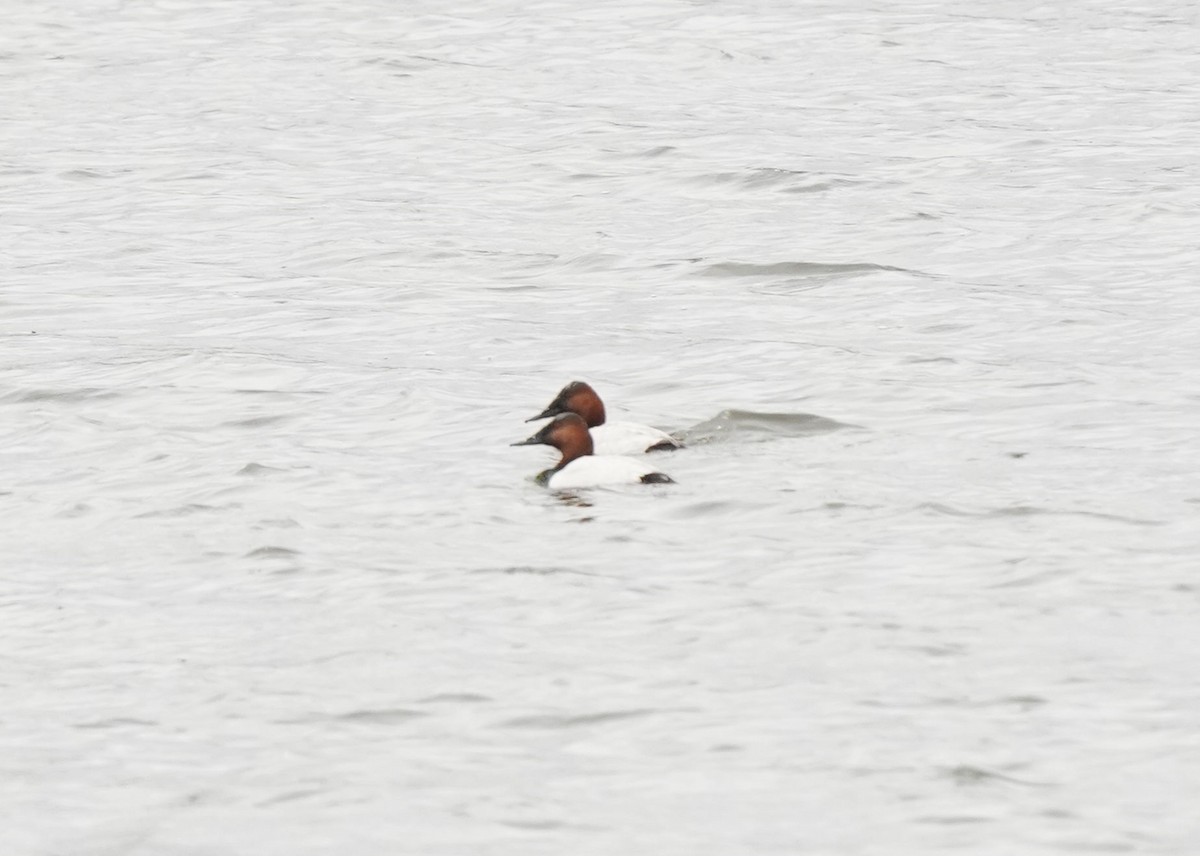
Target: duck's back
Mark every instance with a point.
(593, 471)
(629, 438)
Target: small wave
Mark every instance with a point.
(593, 262)
(721, 507)
(292, 796)
(534, 570)
(1034, 511)
(278, 523)
(954, 819)
(786, 180)
(763, 426)
(810, 270)
(254, 469)
(379, 717)
(272, 552)
(118, 722)
(187, 510)
(79, 509)
(552, 720)
(966, 774)
(64, 396)
(257, 421)
(456, 698)
(86, 174)
(537, 825)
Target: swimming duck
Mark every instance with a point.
(578, 466)
(611, 438)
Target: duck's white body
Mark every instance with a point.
(628, 438)
(593, 471)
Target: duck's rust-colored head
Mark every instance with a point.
(568, 433)
(576, 397)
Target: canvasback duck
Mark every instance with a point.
(578, 467)
(609, 438)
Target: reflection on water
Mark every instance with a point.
(571, 498)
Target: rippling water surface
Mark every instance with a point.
(917, 282)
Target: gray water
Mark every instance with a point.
(916, 281)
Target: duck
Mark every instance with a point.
(579, 466)
(608, 438)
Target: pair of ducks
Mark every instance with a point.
(596, 456)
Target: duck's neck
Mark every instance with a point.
(577, 446)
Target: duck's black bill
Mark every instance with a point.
(545, 414)
(531, 441)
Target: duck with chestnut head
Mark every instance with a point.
(578, 466)
(608, 438)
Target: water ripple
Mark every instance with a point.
(791, 270)
(558, 721)
(759, 427)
